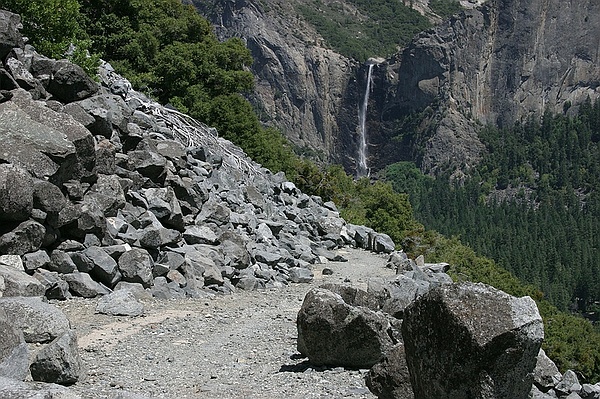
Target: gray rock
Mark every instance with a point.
(537, 394)
(25, 79)
(234, 249)
(10, 36)
(331, 332)
(105, 157)
(26, 237)
(48, 144)
(107, 194)
(390, 379)
(19, 283)
(48, 198)
(396, 294)
(136, 267)
(213, 211)
(156, 237)
(108, 111)
(58, 362)
(300, 275)
(14, 354)
(138, 290)
(83, 285)
(120, 303)
(383, 243)
(103, 267)
(56, 287)
(165, 205)
(161, 289)
(247, 283)
(13, 261)
(14, 389)
(471, 340)
(170, 149)
(354, 296)
(35, 260)
(39, 321)
(545, 374)
(70, 83)
(172, 259)
(61, 262)
(589, 391)
(16, 193)
(568, 384)
(200, 235)
(148, 162)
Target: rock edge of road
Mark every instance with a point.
(236, 346)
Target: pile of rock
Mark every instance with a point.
(422, 336)
(100, 186)
(37, 343)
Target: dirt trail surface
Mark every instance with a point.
(237, 346)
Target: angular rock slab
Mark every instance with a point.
(333, 333)
(472, 341)
(120, 303)
(58, 362)
(39, 321)
(19, 283)
(390, 379)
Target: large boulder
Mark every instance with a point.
(333, 333)
(472, 340)
(120, 303)
(28, 236)
(70, 83)
(48, 144)
(39, 321)
(14, 389)
(14, 354)
(19, 283)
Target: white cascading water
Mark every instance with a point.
(362, 168)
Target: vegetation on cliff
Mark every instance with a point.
(373, 28)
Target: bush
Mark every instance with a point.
(53, 27)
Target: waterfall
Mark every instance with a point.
(362, 168)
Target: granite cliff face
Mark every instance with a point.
(494, 63)
(503, 62)
(302, 87)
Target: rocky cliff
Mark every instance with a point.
(302, 88)
(497, 64)
(494, 63)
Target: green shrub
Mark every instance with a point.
(53, 27)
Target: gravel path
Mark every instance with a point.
(237, 346)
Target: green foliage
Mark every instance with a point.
(380, 28)
(52, 26)
(361, 202)
(445, 8)
(531, 205)
(570, 341)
